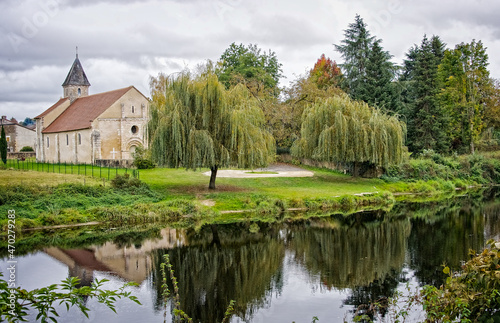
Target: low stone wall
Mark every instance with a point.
(21, 155)
(124, 163)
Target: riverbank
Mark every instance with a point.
(181, 197)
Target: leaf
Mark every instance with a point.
(446, 270)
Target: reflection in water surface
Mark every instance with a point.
(278, 272)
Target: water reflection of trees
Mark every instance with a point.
(224, 263)
(348, 256)
(445, 236)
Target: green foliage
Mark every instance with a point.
(471, 295)
(201, 124)
(368, 69)
(466, 88)
(67, 203)
(16, 302)
(377, 88)
(286, 120)
(27, 148)
(142, 158)
(259, 72)
(3, 146)
(457, 171)
(178, 313)
(341, 130)
(125, 181)
(355, 50)
(427, 120)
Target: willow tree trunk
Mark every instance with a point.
(213, 175)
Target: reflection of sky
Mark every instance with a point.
(302, 298)
(40, 270)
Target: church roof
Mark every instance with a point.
(84, 110)
(58, 103)
(76, 75)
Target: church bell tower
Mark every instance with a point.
(76, 84)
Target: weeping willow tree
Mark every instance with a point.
(340, 130)
(198, 123)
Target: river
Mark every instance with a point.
(283, 271)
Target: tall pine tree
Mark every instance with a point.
(355, 50)
(378, 90)
(367, 67)
(426, 118)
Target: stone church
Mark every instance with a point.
(103, 128)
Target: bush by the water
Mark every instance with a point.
(472, 295)
(471, 169)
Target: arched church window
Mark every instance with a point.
(79, 91)
(133, 110)
(79, 139)
(48, 142)
(67, 140)
(134, 129)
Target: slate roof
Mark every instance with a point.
(76, 75)
(80, 114)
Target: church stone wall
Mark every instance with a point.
(68, 147)
(122, 126)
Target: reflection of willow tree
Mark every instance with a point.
(355, 255)
(225, 263)
(446, 235)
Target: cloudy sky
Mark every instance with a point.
(124, 42)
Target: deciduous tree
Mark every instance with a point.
(341, 130)
(202, 124)
(467, 87)
(325, 73)
(259, 71)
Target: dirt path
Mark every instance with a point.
(274, 170)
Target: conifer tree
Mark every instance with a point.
(3, 146)
(355, 50)
(367, 68)
(427, 120)
(198, 123)
(378, 90)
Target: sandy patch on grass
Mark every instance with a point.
(275, 170)
(207, 202)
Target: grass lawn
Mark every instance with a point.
(231, 193)
(41, 178)
(234, 193)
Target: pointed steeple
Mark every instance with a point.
(76, 83)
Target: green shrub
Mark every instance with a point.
(471, 295)
(125, 181)
(27, 148)
(142, 159)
